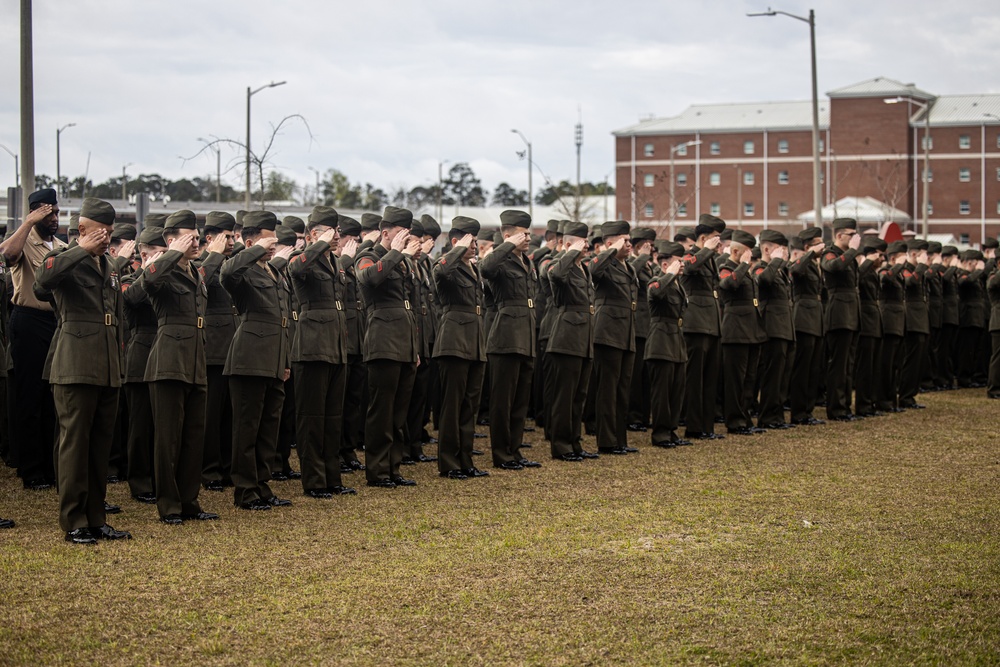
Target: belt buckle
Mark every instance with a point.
(201, 322)
(680, 321)
(633, 306)
(284, 322)
(479, 311)
(406, 303)
(340, 305)
(755, 303)
(295, 316)
(358, 304)
(715, 293)
(592, 309)
(107, 319)
(531, 303)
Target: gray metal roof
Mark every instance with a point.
(962, 110)
(734, 118)
(880, 85)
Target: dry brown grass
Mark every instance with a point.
(867, 543)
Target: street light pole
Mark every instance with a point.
(17, 166)
(59, 130)
(440, 209)
(673, 201)
(926, 106)
(817, 189)
(125, 180)
(531, 212)
(251, 93)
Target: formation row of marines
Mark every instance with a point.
(240, 339)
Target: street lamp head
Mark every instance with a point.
(769, 12)
(275, 85)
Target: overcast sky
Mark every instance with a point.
(390, 88)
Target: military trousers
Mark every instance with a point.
(866, 375)
(773, 361)
(389, 386)
(949, 338)
(566, 395)
(416, 412)
(118, 463)
(510, 395)
(967, 356)
(614, 379)
(257, 403)
(639, 399)
(282, 462)
(319, 421)
(178, 443)
(33, 418)
(86, 425)
(355, 405)
(914, 356)
(934, 360)
(461, 382)
(539, 406)
(807, 369)
(841, 348)
(217, 457)
(739, 364)
(703, 365)
(140, 439)
(666, 398)
(892, 358)
(993, 383)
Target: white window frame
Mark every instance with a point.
(748, 209)
(648, 180)
(964, 142)
(714, 178)
(964, 207)
(783, 209)
(926, 142)
(782, 178)
(748, 178)
(716, 209)
(648, 150)
(682, 180)
(648, 211)
(682, 150)
(964, 175)
(782, 145)
(715, 148)
(682, 210)
(751, 145)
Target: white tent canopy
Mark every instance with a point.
(862, 209)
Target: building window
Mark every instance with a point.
(964, 175)
(927, 143)
(929, 175)
(682, 149)
(822, 177)
(747, 178)
(963, 239)
(648, 180)
(998, 207)
(714, 178)
(648, 211)
(715, 209)
(964, 141)
(963, 207)
(647, 150)
(682, 210)
(998, 173)
(783, 209)
(682, 179)
(783, 146)
(820, 145)
(748, 209)
(782, 178)
(930, 208)
(715, 149)
(748, 147)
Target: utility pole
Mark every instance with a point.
(579, 145)
(251, 93)
(440, 209)
(531, 212)
(125, 180)
(27, 109)
(59, 130)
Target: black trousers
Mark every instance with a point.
(993, 384)
(416, 412)
(614, 379)
(539, 406)
(178, 443)
(86, 425)
(461, 383)
(319, 419)
(286, 430)
(892, 359)
(933, 361)
(739, 363)
(666, 398)
(966, 353)
(257, 403)
(773, 361)
(510, 394)
(118, 457)
(566, 394)
(841, 347)
(639, 400)
(949, 337)
(217, 456)
(702, 379)
(33, 420)
(355, 406)
(389, 386)
(140, 439)
(866, 374)
(914, 356)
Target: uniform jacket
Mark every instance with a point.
(264, 303)
(840, 273)
(387, 290)
(616, 294)
(545, 289)
(807, 295)
(667, 303)
(220, 314)
(643, 273)
(179, 299)
(869, 295)
(971, 299)
(421, 302)
(934, 278)
(993, 290)
(775, 299)
(917, 320)
(431, 313)
(741, 319)
(514, 282)
(87, 298)
(541, 258)
(571, 308)
(461, 331)
(354, 310)
(140, 319)
(893, 301)
(700, 281)
(949, 296)
(321, 327)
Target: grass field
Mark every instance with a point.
(867, 543)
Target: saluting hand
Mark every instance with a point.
(427, 246)
(181, 243)
(152, 257)
(674, 267)
(349, 248)
(466, 241)
(713, 242)
(855, 241)
(579, 245)
(218, 244)
(412, 246)
(39, 214)
(95, 242)
(127, 249)
(284, 252)
(520, 240)
(399, 242)
(371, 236)
(267, 243)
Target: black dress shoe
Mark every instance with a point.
(214, 485)
(345, 469)
(6, 523)
(431, 440)
(37, 485)
(525, 463)
(113, 479)
(318, 494)
(777, 426)
(408, 461)
(844, 418)
(479, 435)
(382, 483)
(279, 477)
(483, 421)
(800, 422)
(275, 501)
(200, 516)
(913, 406)
(716, 436)
(630, 450)
(399, 480)
(342, 491)
(147, 498)
(356, 465)
(756, 430)
(294, 474)
(111, 509)
(172, 519)
(425, 458)
(666, 444)
(612, 450)
(568, 457)
(477, 452)
(81, 536)
(510, 465)
(681, 442)
(453, 474)
(106, 532)
(256, 504)
(815, 421)
(475, 472)
(636, 427)
(743, 430)
(588, 455)
(525, 445)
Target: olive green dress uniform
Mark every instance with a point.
(426, 309)
(866, 376)
(510, 344)
(993, 291)
(490, 316)
(460, 353)
(544, 405)
(281, 468)
(570, 347)
(638, 403)
(776, 309)
(934, 358)
(542, 257)
(666, 352)
(356, 393)
(616, 293)
(972, 319)
(843, 314)
(917, 329)
(176, 373)
(4, 360)
(432, 403)
(256, 364)
(391, 349)
(220, 327)
(118, 461)
(319, 360)
(86, 370)
(893, 301)
(807, 316)
(949, 317)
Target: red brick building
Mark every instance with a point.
(751, 163)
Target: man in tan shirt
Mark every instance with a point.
(32, 325)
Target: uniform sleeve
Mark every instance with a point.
(211, 265)
(489, 266)
(447, 263)
(730, 278)
(834, 263)
(559, 269)
(696, 260)
(768, 274)
(372, 271)
(600, 264)
(799, 266)
(133, 290)
(156, 273)
(233, 268)
(659, 287)
(300, 263)
(55, 267)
